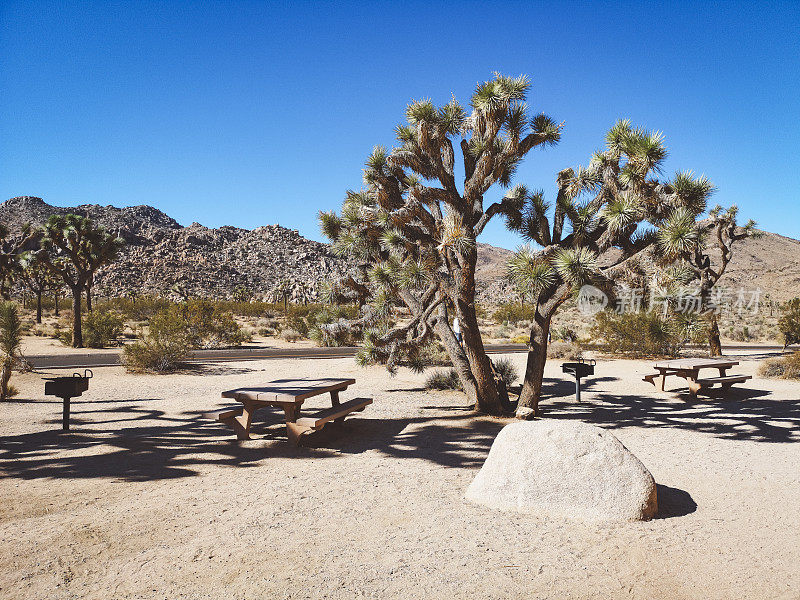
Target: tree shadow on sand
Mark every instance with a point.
(130, 440)
(136, 443)
(743, 414)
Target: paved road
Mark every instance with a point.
(111, 358)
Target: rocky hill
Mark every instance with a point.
(770, 263)
(162, 257)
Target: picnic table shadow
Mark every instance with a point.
(131, 441)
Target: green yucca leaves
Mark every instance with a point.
(547, 128)
(530, 271)
(679, 234)
(414, 274)
(406, 134)
(692, 192)
(575, 266)
(452, 117)
(330, 224)
(516, 120)
(421, 111)
(621, 212)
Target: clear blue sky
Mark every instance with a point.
(251, 113)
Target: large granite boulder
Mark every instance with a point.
(564, 468)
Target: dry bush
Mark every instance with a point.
(783, 367)
(443, 380)
(564, 350)
(291, 335)
(638, 334)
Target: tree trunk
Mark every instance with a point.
(456, 354)
(714, 343)
(488, 400)
(39, 307)
(77, 331)
(534, 369)
(5, 376)
(88, 299)
(55, 303)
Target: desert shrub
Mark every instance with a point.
(563, 334)
(789, 323)
(506, 369)
(163, 348)
(645, 333)
(520, 339)
(742, 334)
(210, 326)
(503, 332)
(785, 367)
(10, 343)
(140, 308)
(291, 335)
(443, 380)
(101, 328)
(203, 324)
(513, 313)
(564, 350)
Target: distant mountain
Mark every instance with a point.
(771, 263)
(161, 254)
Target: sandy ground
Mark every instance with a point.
(144, 499)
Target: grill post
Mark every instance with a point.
(65, 414)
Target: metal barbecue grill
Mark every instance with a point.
(579, 369)
(67, 388)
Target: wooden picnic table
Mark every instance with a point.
(289, 394)
(689, 369)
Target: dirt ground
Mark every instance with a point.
(145, 499)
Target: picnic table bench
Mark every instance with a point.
(289, 394)
(689, 369)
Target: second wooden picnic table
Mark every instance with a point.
(689, 369)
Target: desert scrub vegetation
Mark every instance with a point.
(789, 323)
(513, 313)
(783, 367)
(10, 342)
(564, 350)
(101, 329)
(162, 349)
(645, 333)
(173, 332)
(448, 379)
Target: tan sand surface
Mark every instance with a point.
(144, 499)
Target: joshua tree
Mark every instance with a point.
(414, 230)
(102, 249)
(596, 228)
(281, 293)
(10, 341)
(11, 246)
(37, 277)
(71, 247)
(691, 241)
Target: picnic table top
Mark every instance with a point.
(687, 364)
(288, 390)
